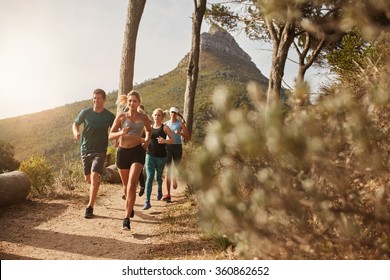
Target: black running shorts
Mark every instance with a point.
(125, 157)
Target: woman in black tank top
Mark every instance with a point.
(156, 155)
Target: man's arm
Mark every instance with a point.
(76, 131)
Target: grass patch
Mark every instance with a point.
(181, 224)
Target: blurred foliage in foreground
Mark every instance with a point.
(311, 184)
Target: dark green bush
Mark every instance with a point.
(7, 160)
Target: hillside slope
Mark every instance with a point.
(222, 62)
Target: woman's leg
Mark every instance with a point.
(150, 169)
(124, 174)
(123, 168)
(160, 164)
(131, 191)
(141, 180)
(168, 170)
(177, 155)
(168, 179)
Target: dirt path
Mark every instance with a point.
(57, 229)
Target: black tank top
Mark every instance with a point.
(155, 149)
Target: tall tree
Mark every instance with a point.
(193, 63)
(281, 22)
(309, 25)
(134, 14)
(304, 59)
(264, 20)
(356, 59)
(318, 33)
(281, 28)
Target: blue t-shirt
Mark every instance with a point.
(94, 138)
(173, 126)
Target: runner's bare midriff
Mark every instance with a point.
(129, 141)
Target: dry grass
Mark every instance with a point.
(183, 238)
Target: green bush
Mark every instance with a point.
(111, 155)
(39, 173)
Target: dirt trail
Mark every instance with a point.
(57, 229)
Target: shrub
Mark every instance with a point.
(7, 160)
(190, 151)
(70, 174)
(311, 186)
(39, 173)
(111, 155)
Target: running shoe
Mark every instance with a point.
(147, 205)
(89, 212)
(141, 191)
(167, 198)
(126, 224)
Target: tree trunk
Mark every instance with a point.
(193, 64)
(14, 187)
(134, 15)
(302, 56)
(281, 42)
(301, 75)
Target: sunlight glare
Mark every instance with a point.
(26, 69)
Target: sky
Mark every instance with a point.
(56, 52)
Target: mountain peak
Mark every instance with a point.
(220, 41)
(214, 28)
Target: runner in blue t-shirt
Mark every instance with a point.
(175, 150)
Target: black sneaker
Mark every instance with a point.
(126, 224)
(141, 191)
(89, 212)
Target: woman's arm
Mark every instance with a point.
(186, 135)
(148, 131)
(115, 131)
(168, 132)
